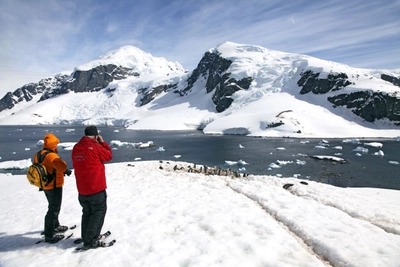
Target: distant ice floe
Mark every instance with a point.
(240, 146)
(242, 169)
(280, 148)
(239, 162)
(16, 164)
(379, 153)
(332, 158)
(374, 144)
(394, 162)
(117, 143)
(338, 147)
(161, 149)
(361, 149)
(69, 130)
(279, 163)
(352, 141)
(177, 156)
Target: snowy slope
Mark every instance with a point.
(162, 217)
(273, 97)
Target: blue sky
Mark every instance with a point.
(42, 37)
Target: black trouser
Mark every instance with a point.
(54, 198)
(94, 208)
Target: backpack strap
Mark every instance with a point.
(40, 158)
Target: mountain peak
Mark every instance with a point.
(133, 58)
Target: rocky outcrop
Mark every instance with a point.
(391, 79)
(310, 82)
(149, 95)
(96, 79)
(370, 105)
(26, 92)
(214, 68)
(225, 89)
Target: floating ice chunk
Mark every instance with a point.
(379, 153)
(394, 162)
(117, 143)
(240, 146)
(304, 142)
(278, 175)
(242, 162)
(361, 149)
(230, 163)
(283, 162)
(352, 141)
(146, 145)
(15, 164)
(177, 156)
(27, 148)
(374, 144)
(300, 162)
(161, 149)
(40, 143)
(296, 175)
(338, 154)
(69, 130)
(328, 158)
(338, 147)
(138, 159)
(116, 131)
(242, 169)
(0, 158)
(320, 147)
(274, 166)
(280, 148)
(358, 155)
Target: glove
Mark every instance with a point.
(68, 172)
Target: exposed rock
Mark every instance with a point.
(96, 79)
(310, 82)
(370, 105)
(26, 92)
(391, 79)
(214, 68)
(149, 95)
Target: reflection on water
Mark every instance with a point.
(292, 155)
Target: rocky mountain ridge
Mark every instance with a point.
(227, 75)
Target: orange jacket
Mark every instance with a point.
(52, 161)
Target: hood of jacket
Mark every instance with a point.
(51, 142)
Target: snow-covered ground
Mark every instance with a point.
(162, 217)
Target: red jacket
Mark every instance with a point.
(88, 157)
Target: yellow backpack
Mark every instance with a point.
(37, 173)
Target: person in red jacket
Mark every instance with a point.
(88, 157)
(54, 190)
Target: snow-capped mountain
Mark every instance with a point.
(235, 89)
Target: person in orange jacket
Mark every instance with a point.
(53, 191)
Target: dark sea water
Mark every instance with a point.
(367, 170)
